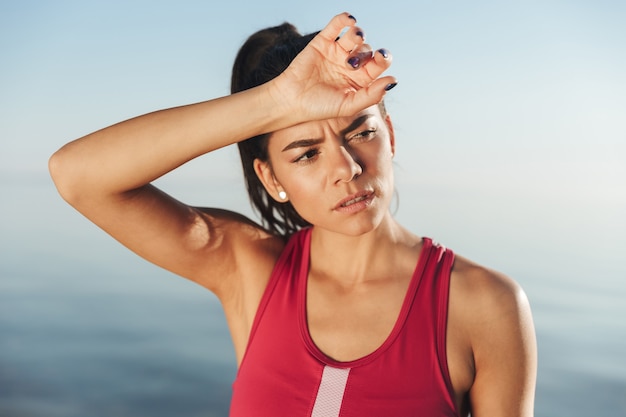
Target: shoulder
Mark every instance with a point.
(488, 310)
(241, 250)
(492, 312)
(486, 293)
(492, 323)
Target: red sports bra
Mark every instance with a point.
(283, 373)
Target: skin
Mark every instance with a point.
(329, 145)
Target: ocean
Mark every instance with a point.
(88, 329)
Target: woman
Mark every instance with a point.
(334, 308)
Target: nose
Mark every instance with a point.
(346, 166)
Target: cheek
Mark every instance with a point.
(379, 161)
(305, 189)
(302, 187)
(298, 183)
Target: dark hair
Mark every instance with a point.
(264, 56)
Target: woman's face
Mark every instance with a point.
(337, 173)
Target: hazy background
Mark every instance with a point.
(511, 129)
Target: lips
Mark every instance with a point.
(354, 200)
(350, 201)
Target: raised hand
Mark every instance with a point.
(334, 75)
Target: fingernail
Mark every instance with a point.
(390, 86)
(352, 17)
(360, 34)
(384, 53)
(359, 59)
(354, 62)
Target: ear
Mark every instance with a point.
(265, 174)
(392, 135)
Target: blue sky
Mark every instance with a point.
(507, 114)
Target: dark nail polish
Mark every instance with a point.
(352, 17)
(354, 62)
(384, 53)
(390, 86)
(360, 34)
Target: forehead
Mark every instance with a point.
(316, 128)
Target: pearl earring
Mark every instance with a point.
(282, 195)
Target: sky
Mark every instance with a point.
(510, 119)
(522, 103)
(515, 110)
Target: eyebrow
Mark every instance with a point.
(303, 143)
(356, 123)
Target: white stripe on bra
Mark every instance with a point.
(330, 393)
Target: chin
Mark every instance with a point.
(357, 226)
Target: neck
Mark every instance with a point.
(351, 260)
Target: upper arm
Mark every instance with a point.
(504, 348)
(209, 246)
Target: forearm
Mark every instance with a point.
(130, 154)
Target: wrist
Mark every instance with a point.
(281, 103)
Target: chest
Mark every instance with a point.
(348, 324)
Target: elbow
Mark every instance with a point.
(63, 175)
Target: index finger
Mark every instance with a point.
(336, 25)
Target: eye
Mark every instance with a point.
(308, 156)
(362, 136)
